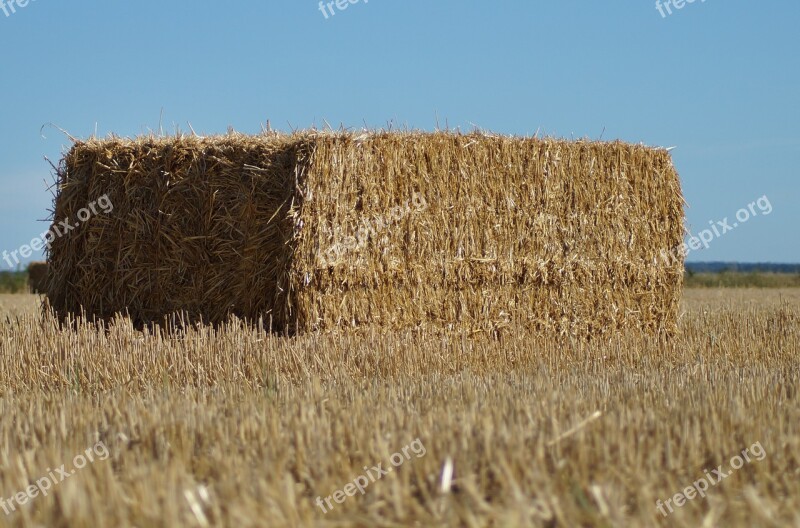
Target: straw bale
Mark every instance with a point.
(37, 277)
(318, 231)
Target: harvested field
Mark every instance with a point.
(320, 231)
(241, 427)
(16, 305)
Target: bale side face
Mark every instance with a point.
(564, 237)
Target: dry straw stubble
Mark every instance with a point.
(243, 427)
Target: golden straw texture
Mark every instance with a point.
(322, 230)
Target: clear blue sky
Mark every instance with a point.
(718, 79)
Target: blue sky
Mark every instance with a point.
(718, 79)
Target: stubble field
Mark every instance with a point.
(244, 428)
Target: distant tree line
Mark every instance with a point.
(741, 267)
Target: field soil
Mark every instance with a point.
(239, 427)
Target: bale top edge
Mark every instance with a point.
(355, 136)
